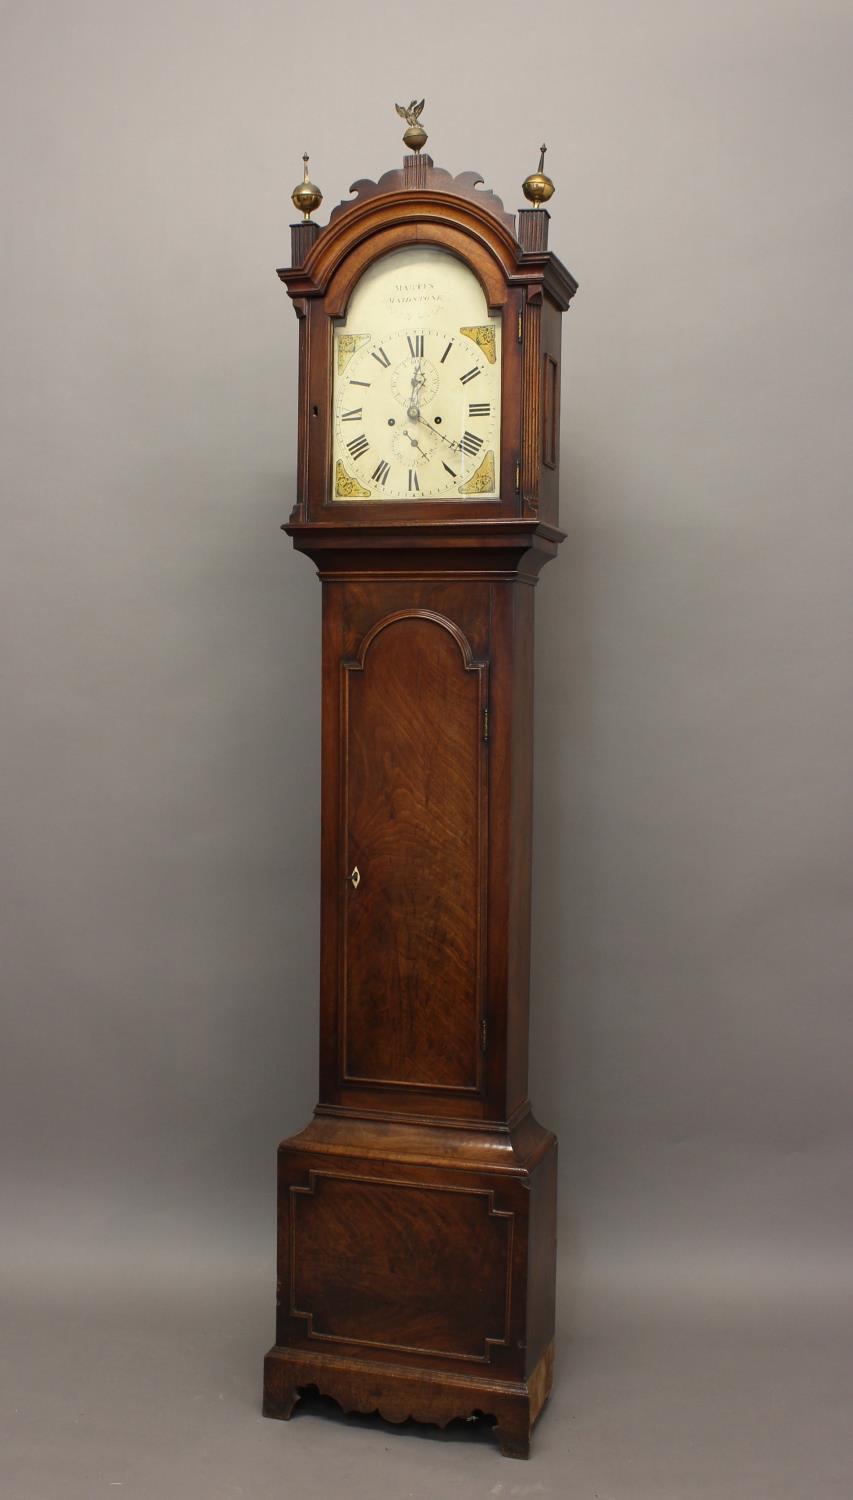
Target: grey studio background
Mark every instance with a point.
(693, 944)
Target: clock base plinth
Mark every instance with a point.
(398, 1393)
(416, 1270)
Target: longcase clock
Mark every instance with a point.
(417, 1210)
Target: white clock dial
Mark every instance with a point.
(417, 384)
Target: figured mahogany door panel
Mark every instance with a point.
(414, 850)
(396, 1265)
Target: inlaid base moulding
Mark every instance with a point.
(417, 1210)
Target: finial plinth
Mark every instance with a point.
(306, 196)
(415, 137)
(532, 228)
(303, 237)
(538, 188)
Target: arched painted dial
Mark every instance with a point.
(417, 413)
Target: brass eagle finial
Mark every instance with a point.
(415, 137)
(410, 113)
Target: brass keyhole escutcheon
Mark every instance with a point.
(355, 878)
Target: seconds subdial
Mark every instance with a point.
(410, 446)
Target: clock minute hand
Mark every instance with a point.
(435, 432)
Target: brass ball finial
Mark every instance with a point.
(306, 196)
(415, 137)
(538, 188)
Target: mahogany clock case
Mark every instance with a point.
(417, 1211)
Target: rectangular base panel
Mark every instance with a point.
(398, 1393)
(416, 1272)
